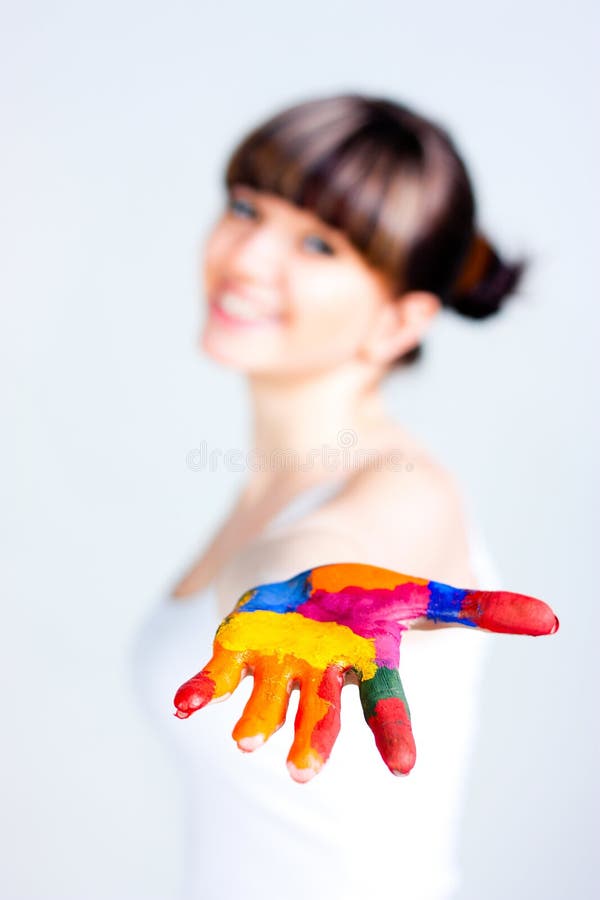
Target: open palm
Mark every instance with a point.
(329, 623)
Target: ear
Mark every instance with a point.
(399, 325)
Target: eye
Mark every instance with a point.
(242, 207)
(322, 246)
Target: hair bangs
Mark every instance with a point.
(355, 172)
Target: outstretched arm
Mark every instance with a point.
(306, 620)
(316, 626)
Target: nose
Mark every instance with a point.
(258, 256)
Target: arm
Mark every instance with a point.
(310, 615)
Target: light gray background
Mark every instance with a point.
(117, 118)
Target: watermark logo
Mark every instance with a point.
(345, 455)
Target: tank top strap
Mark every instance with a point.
(306, 501)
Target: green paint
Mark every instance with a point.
(385, 683)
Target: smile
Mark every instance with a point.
(232, 309)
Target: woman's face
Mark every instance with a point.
(285, 292)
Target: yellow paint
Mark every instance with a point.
(334, 577)
(319, 644)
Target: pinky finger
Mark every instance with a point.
(387, 714)
(216, 681)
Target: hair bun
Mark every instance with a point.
(484, 281)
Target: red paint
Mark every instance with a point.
(390, 725)
(193, 695)
(510, 613)
(327, 729)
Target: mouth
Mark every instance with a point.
(232, 307)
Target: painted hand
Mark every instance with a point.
(329, 623)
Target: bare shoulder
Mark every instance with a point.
(410, 518)
(399, 471)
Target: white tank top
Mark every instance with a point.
(355, 830)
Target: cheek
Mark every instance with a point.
(330, 312)
(215, 252)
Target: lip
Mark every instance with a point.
(227, 319)
(265, 316)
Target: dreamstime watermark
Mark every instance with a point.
(346, 456)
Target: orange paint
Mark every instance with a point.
(337, 576)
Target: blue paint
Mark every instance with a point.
(280, 596)
(445, 603)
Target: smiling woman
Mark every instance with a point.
(378, 183)
(281, 269)
(349, 224)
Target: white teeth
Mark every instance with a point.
(238, 307)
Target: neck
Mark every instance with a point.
(318, 422)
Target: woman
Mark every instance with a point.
(349, 225)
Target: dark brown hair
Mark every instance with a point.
(394, 183)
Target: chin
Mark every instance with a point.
(227, 354)
(248, 357)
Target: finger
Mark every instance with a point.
(317, 722)
(503, 611)
(386, 710)
(216, 681)
(266, 709)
